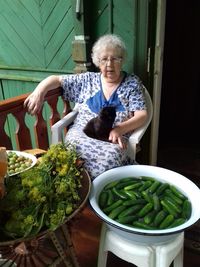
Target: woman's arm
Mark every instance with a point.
(35, 100)
(131, 124)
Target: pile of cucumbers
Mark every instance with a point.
(144, 202)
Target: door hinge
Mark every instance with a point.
(148, 59)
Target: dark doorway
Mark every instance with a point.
(179, 134)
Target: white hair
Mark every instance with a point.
(108, 41)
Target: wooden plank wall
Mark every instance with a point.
(36, 34)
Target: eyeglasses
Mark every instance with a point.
(115, 60)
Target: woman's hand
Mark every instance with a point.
(35, 100)
(116, 134)
(116, 138)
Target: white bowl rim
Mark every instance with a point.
(97, 183)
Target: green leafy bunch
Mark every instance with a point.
(42, 197)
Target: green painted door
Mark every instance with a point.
(129, 19)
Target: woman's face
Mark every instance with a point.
(110, 64)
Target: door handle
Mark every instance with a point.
(78, 9)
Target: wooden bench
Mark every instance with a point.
(22, 134)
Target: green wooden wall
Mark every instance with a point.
(36, 37)
(36, 34)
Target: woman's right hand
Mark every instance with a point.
(35, 100)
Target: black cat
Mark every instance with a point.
(100, 126)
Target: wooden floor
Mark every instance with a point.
(85, 235)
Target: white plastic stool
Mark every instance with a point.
(140, 254)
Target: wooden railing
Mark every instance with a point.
(22, 134)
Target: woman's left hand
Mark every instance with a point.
(116, 134)
(116, 138)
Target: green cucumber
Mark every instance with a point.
(177, 192)
(147, 178)
(159, 217)
(130, 210)
(173, 205)
(133, 202)
(110, 198)
(130, 194)
(143, 225)
(148, 207)
(132, 186)
(115, 212)
(103, 199)
(145, 185)
(147, 196)
(153, 187)
(111, 185)
(187, 209)
(168, 207)
(119, 193)
(127, 219)
(177, 222)
(161, 189)
(131, 178)
(138, 194)
(156, 202)
(170, 194)
(149, 217)
(121, 185)
(167, 221)
(113, 206)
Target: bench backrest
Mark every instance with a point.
(22, 133)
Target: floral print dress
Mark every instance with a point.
(86, 90)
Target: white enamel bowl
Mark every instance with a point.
(182, 183)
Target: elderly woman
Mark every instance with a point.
(93, 91)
